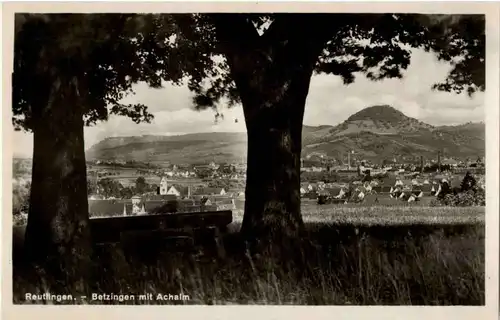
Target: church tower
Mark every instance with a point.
(163, 186)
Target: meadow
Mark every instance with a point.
(353, 256)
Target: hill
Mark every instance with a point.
(382, 132)
(188, 148)
(374, 133)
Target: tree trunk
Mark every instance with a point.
(57, 234)
(272, 72)
(274, 128)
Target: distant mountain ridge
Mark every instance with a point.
(374, 133)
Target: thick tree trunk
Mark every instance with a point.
(272, 196)
(57, 234)
(272, 73)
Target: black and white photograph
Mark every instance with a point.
(249, 158)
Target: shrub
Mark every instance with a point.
(20, 197)
(463, 199)
(469, 194)
(468, 183)
(20, 219)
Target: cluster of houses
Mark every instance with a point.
(211, 170)
(394, 187)
(168, 199)
(235, 171)
(322, 163)
(183, 192)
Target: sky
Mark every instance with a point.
(329, 103)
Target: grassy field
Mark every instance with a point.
(352, 256)
(389, 215)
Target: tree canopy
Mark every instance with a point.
(102, 55)
(108, 53)
(375, 45)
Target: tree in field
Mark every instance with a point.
(126, 193)
(140, 185)
(468, 183)
(153, 188)
(71, 70)
(20, 196)
(110, 188)
(91, 186)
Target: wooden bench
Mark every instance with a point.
(163, 232)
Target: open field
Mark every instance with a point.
(392, 215)
(363, 214)
(352, 255)
(394, 256)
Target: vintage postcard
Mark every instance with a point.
(271, 156)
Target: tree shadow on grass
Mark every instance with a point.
(341, 265)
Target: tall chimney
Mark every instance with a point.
(189, 191)
(421, 164)
(439, 161)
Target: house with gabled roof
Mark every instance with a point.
(180, 191)
(305, 188)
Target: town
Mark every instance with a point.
(121, 188)
(118, 188)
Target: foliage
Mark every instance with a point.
(469, 194)
(20, 197)
(466, 198)
(367, 177)
(376, 45)
(92, 186)
(107, 53)
(204, 173)
(225, 183)
(226, 169)
(140, 185)
(20, 201)
(468, 183)
(109, 187)
(462, 43)
(20, 219)
(126, 193)
(102, 55)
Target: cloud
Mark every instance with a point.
(170, 97)
(328, 102)
(169, 123)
